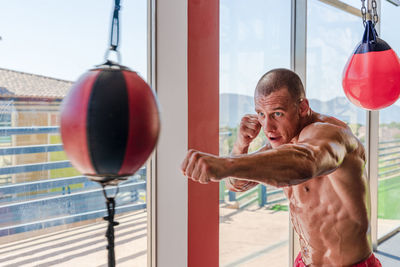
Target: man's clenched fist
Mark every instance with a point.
(248, 130)
(203, 167)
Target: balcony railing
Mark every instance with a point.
(389, 158)
(35, 205)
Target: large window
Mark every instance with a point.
(332, 35)
(254, 38)
(50, 213)
(389, 139)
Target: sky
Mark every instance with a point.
(62, 39)
(253, 39)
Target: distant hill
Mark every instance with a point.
(234, 106)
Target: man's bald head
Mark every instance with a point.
(277, 79)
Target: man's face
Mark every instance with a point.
(279, 116)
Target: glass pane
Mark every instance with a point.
(332, 36)
(50, 214)
(253, 40)
(389, 138)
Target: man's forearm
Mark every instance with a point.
(237, 184)
(288, 165)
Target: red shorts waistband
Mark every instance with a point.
(372, 261)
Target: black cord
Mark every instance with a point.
(110, 202)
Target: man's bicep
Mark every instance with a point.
(329, 144)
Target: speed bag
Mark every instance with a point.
(371, 77)
(109, 122)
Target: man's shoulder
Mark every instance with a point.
(322, 118)
(322, 130)
(324, 123)
(327, 129)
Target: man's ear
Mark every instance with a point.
(304, 107)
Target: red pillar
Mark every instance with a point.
(203, 116)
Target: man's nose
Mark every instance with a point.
(269, 125)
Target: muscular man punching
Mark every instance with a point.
(317, 161)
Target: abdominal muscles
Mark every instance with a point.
(325, 225)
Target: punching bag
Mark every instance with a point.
(109, 123)
(109, 126)
(371, 77)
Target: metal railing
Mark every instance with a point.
(389, 158)
(44, 203)
(34, 205)
(258, 194)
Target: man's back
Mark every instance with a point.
(330, 212)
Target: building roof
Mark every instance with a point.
(16, 84)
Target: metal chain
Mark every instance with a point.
(364, 12)
(374, 12)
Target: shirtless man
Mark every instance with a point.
(317, 161)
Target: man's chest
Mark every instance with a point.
(308, 194)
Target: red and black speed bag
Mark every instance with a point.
(371, 77)
(109, 122)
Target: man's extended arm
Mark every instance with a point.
(320, 149)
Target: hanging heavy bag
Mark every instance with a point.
(371, 77)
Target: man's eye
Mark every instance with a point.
(278, 114)
(260, 114)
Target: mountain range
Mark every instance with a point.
(234, 106)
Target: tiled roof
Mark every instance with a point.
(20, 84)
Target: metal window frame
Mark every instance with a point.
(151, 190)
(298, 63)
(372, 138)
(373, 155)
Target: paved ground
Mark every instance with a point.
(389, 252)
(249, 237)
(83, 246)
(254, 237)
